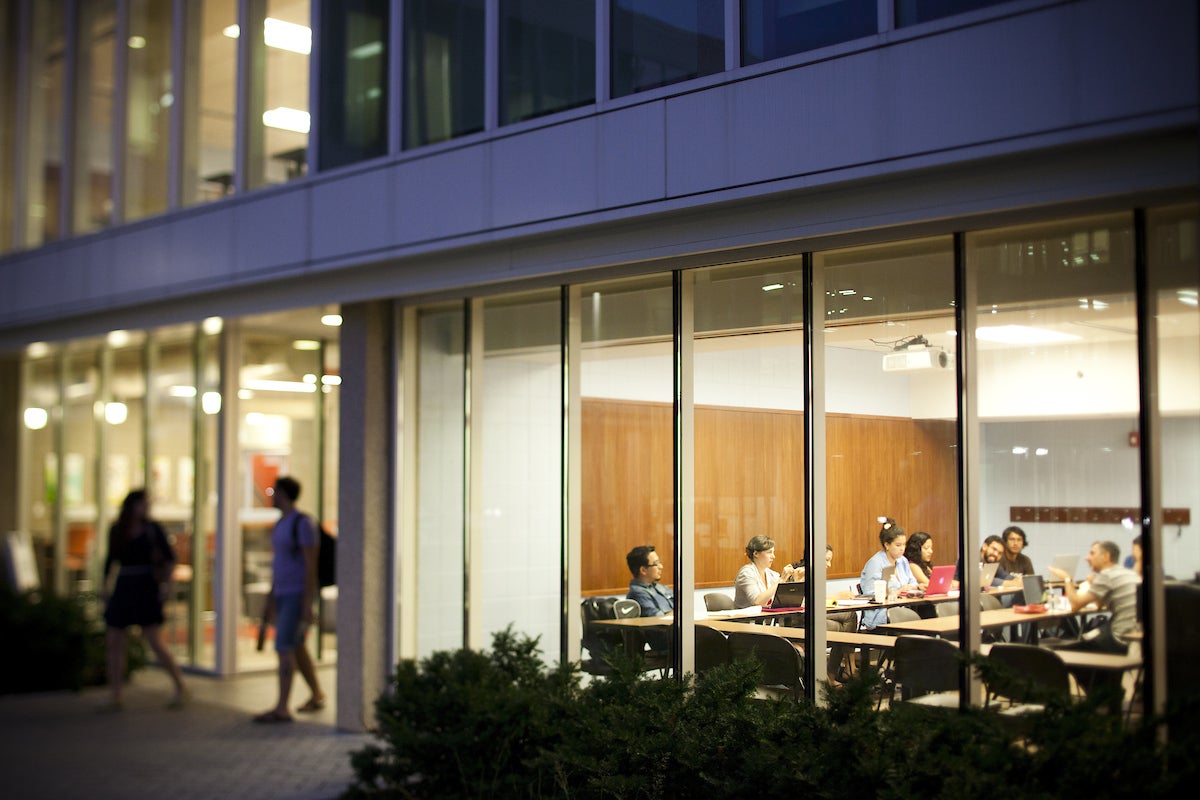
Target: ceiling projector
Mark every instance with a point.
(915, 359)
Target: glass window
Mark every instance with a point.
(279, 94)
(8, 102)
(43, 419)
(749, 420)
(1057, 364)
(443, 69)
(208, 127)
(777, 28)
(94, 117)
(911, 12)
(890, 405)
(202, 620)
(627, 425)
(440, 464)
(80, 546)
(150, 95)
(547, 56)
(656, 42)
(43, 179)
(354, 85)
(522, 483)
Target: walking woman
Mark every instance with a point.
(139, 547)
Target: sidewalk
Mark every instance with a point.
(57, 745)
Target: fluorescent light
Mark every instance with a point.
(36, 418)
(1021, 334)
(181, 391)
(137, 42)
(331, 380)
(1020, 450)
(1041, 451)
(772, 287)
(332, 320)
(286, 119)
(368, 50)
(282, 35)
(245, 394)
(867, 298)
(118, 338)
(310, 378)
(210, 403)
(279, 386)
(212, 325)
(1187, 296)
(306, 344)
(38, 350)
(846, 291)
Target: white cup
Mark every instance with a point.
(880, 591)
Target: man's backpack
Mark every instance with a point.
(326, 552)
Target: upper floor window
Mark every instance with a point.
(778, 28)
(354, 81)
(657, 42)
(911, 12)
(547, 56)
(443, 69)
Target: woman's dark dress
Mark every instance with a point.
(135, 599)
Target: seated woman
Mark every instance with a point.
(892, 540)
(755, 582)
(919, 552)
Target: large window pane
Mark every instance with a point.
(43, 179)
(777, 28)
(204, 542)
(656, 42)
(627, 424)
(547, 56)
(80, 546)
(443, 69)
(354, 81)
(440, 500)
(522, 484)
(8, 100)
(911, 12)
(280, 121)
(208, 129)
(150, 95)
(42, 417)
(891, 417)
(94, 117)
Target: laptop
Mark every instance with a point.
(987, 574)
(1034, 589)
(940, 580)
(1068, 563)
(887, 575)
(789, 595)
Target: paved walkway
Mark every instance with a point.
(58, 745)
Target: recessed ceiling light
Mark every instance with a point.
(771, 287)
(280, 35)
(306, 344)
(286, 119)
(332, 320)
(1019, 450)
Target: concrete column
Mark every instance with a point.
(365, 509)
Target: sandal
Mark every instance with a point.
(270, 717)
(312, 705)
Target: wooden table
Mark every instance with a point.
(998, 618)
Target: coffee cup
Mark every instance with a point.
(880, 591)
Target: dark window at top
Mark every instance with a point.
(911, 12)
(547, 56)
(656, 42)
(353, 87)
(443, 69)
(778, 28)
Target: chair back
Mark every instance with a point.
(947, 609)
(902, 614)
(925, 664)
(989, 602)
(626, 608)
(712, 649)
(783, 666)
(600, 642)
(1027, 673)
(718, 601)
(1182, 608)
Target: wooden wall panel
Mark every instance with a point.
(749, 480)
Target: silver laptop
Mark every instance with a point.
(987, 574)
(1068, 563)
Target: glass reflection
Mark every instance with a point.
(657, 42)
(208, 130)
(772, 30)
(443, 69)
(150, 94)
(43, 182)
(547, 56)
(94, 117)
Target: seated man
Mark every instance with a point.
(646, 567)
(1110, 587)
(1013, 560)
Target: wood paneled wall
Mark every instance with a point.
(750, 480)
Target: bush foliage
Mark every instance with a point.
(500, 724)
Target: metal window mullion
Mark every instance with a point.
(491, 65)
(472, 472)
(1150, 475)
(886, 15)
(603, 51)
(733, 34)
(572, 475)
(395, 116)
(967, 377)
(815, 537)
(684, 627)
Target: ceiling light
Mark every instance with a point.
(1021, 334)
(181, 391)
(846, 291)
(368, 50)
(137, 42)
(310, 378)
(1041, 451)
(1019, 450)
(331, 380)
(41, 349)
(280, 386)
(867, 298)
(118, 338)
(1187, 296)
(212, 325)
(286, 119)
(210, 403)
(245, 394)
(332, 320)
(115, 413)
(281, 35)
(306, 344)
(771, 287)
(36, 418)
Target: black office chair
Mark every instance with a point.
(783, 666)
(599, 641)
(1027, 674)
(925, 665)
(718, 601)
(1182, 608)
(712, 649)
(626, 608)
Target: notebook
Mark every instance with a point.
(789, 595)
(987, 574)
(1068, 563)
(940, 580)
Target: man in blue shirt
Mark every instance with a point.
(646, 567)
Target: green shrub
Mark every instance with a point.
(500, 725)
(54, 642)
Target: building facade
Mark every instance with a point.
(514, 286)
